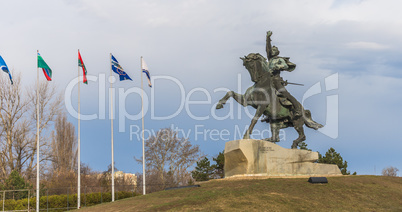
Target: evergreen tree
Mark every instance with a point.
(203, 171)
(219, 166)
(303, 145)
(16, 182)
(332, 157)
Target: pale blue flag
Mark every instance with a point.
(3, 66)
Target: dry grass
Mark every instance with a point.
(351, 193)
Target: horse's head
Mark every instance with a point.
(256, 64)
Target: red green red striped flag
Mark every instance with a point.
(84, 70)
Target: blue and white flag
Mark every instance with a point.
(3, 66)
(144, 68)
(119, 70)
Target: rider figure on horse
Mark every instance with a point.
(276, 65)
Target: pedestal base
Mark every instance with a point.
(249, 157)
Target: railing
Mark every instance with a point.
(65, 198)
(27, 197)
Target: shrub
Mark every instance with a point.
(60, 201)
(390, 171)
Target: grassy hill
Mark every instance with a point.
(348, 193)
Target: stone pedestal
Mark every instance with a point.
(249, 157)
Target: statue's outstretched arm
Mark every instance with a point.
(268, 47)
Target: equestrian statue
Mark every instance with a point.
(269, 96)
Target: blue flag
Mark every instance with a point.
(3, 66)
(119, 70)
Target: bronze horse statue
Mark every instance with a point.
(263, 96)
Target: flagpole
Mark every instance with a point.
(143, 146)
(79, 143)
(111, 120)
(37, 136)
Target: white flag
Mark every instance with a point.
(144, 68)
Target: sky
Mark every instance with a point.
(348, 56)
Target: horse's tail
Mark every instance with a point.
(310, 122)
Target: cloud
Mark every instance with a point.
(366, 45)
(200, 42)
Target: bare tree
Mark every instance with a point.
(13, 128)
(64, 145)
(390, 171)
(18, 124)
(168, 158)
(50, 104)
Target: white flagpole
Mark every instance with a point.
(143, 146)
(79, 144)
(111, 121)
(37, 136)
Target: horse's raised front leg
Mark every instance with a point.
(238, 97)
(258, 114)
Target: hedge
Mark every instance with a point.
(60, 201)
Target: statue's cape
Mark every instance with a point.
(291, 65)
(284, 101)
